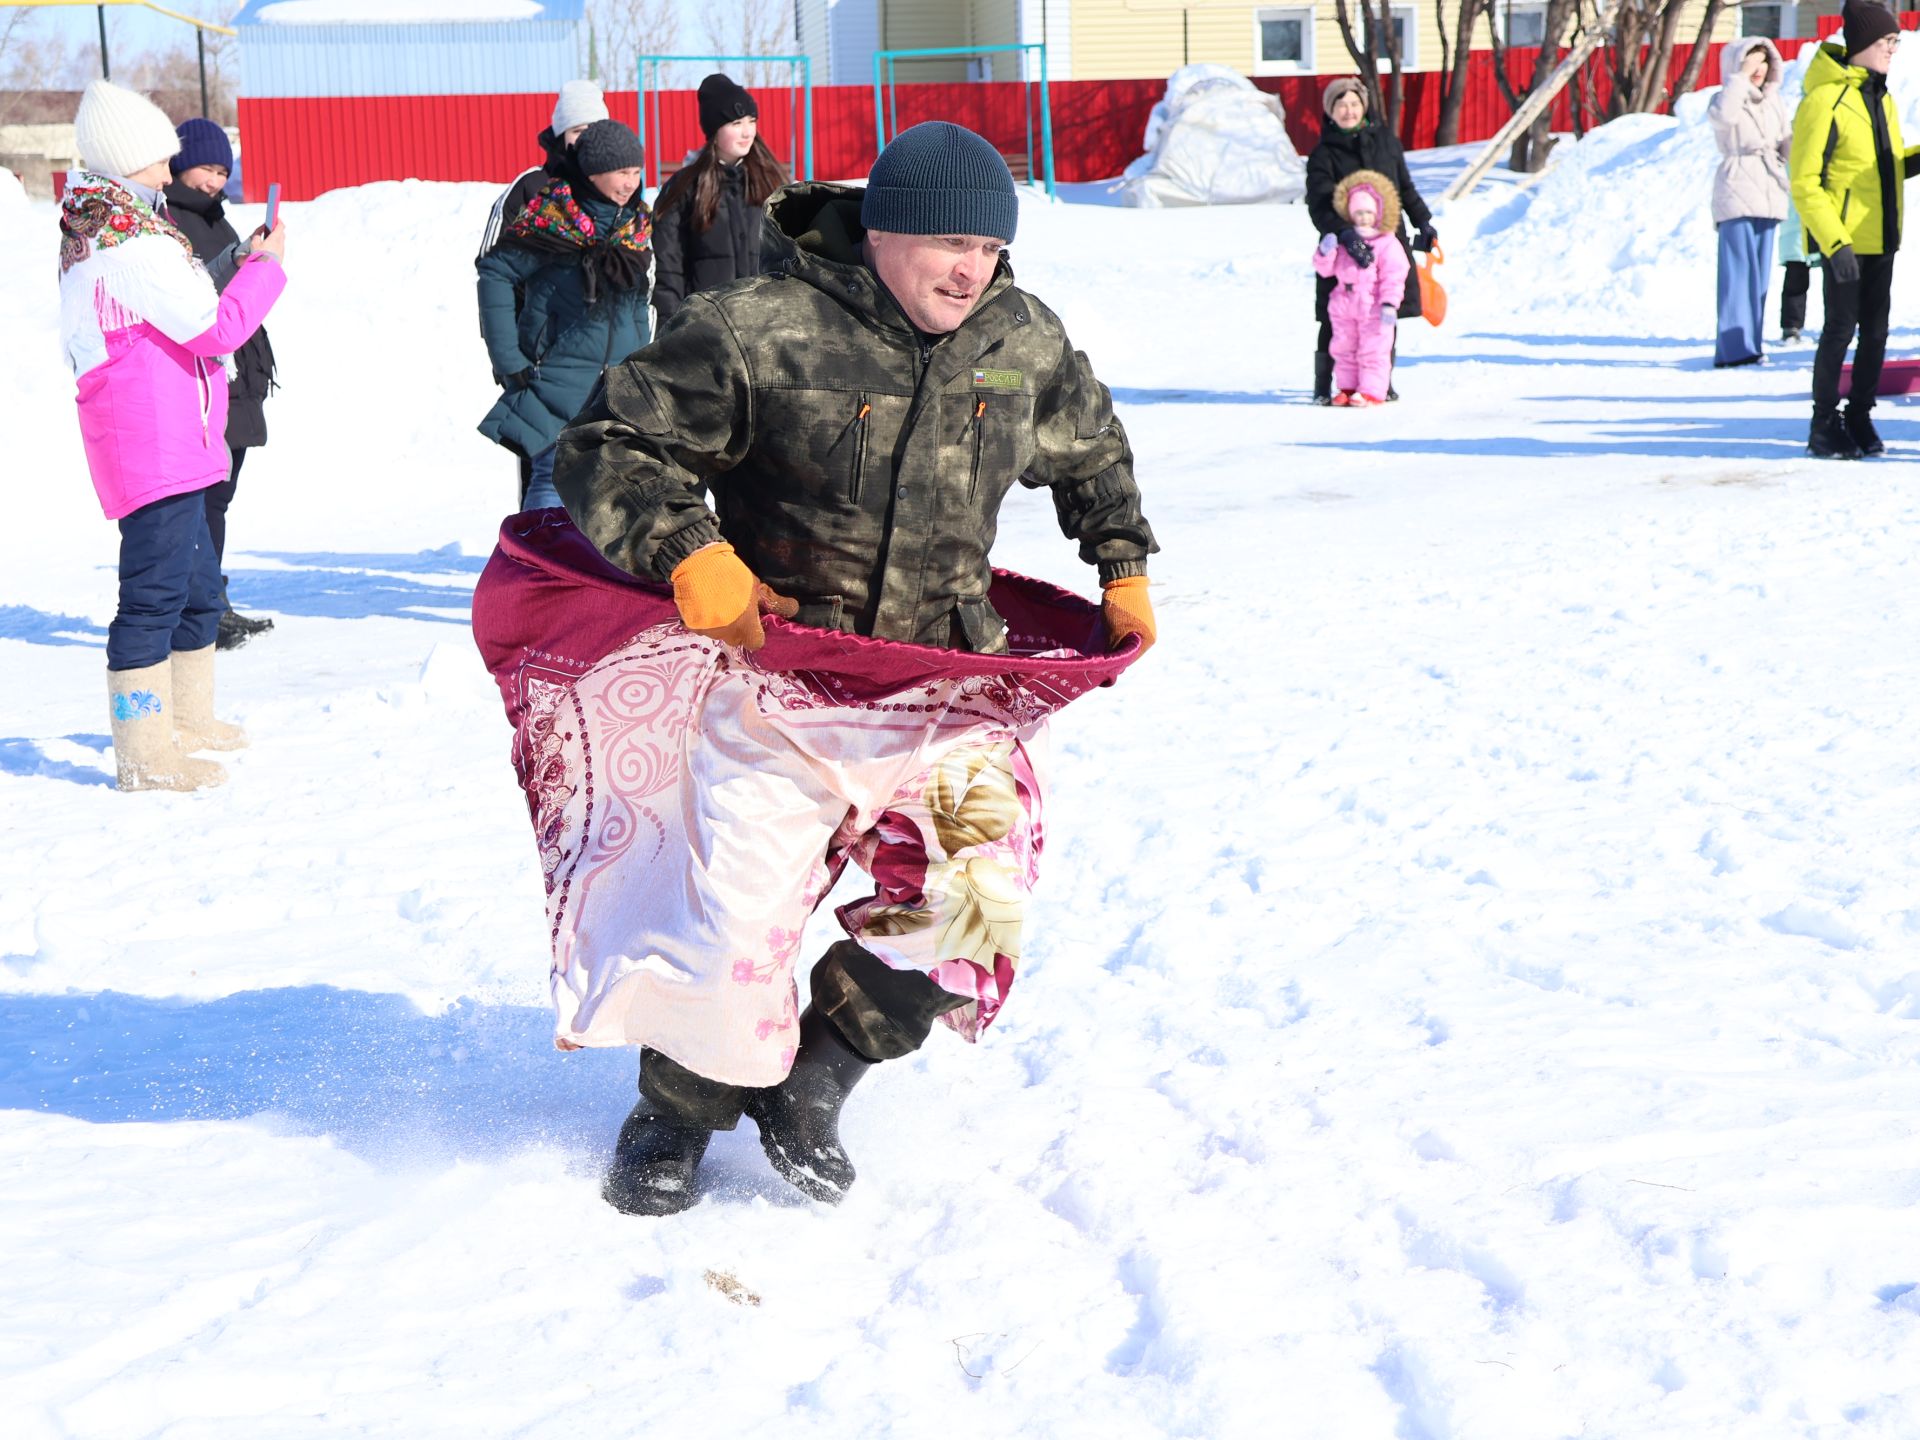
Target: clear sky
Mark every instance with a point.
(133, 30)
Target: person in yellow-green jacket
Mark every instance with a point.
(1847, 169)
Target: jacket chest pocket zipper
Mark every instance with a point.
(861, 424)
(977, 424)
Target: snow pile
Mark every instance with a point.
(1214, 140)
(395, 12)
(1615, 233)
(13, 195)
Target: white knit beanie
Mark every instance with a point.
(580, 103)
(119, 132)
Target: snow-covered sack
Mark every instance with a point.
(1215, 140)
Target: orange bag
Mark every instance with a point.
(1433, 299)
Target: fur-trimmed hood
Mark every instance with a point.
(1373, 179)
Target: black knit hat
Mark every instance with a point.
(606, 145)
(722, 102)
(1864, 22)
(941, 179)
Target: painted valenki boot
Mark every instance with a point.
(799, 1118)
(145, 752)
(193, 719)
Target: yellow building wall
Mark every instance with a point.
(1146, 39)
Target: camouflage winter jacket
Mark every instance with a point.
(855, 464)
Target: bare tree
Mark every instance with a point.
(1643, 42)
(31, 65)
(620, 31)
(1453, 62)
(1377, 40)
(1532, 145)
(751, 27)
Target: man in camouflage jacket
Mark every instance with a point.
(858, 413)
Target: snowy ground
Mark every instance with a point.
(1474, 991)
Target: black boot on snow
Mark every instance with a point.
(654, 1162)
(1829, 438)
(799, 1118)
(1322, 379)
(1860, 427)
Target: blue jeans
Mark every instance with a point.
(1746, 264)
(540, 492)
(169, 583)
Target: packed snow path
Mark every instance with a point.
(1472, 993)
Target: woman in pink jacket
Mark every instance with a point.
(147, 335)
(1364, 307)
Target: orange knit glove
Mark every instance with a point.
(718, 597)
(1125, 608)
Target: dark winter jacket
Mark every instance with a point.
(546, 342)
(1366, 147)
(525, 186)
(856, 464)
(688, 260)
(203, 220)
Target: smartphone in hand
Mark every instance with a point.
(273, 206)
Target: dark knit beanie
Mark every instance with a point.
(606, 145)
(1864, 22)
(722, 102)
(941, 179)
(201, 143)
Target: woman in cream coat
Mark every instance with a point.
(1754, 132)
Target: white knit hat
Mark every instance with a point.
(119, 132)
(580, 103)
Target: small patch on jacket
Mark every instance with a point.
(136, 704)
(999, 379)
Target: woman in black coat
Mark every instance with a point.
(195, 204)
(1350, 141)
(706, 223)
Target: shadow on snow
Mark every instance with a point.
(385, 1081)
(44, 627)
(20, 755)
(331, 586)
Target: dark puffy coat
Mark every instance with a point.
(546, 343)
(855, 464)
(1368, 147)
(526, 185)
(688, 260)
(203, 220)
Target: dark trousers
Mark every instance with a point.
(169, 583)
(219, 497)
(882, 1012)
(1793, 295)
(1863, 306)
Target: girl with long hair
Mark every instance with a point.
(708, 216)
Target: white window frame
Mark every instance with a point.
(1308, 21)
(1410, 54)
(1505, 11)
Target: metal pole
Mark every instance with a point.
(806, 72)
(101, 11)
(200, 37)
(1046, 125)
(879, 110)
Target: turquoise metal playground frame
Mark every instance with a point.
(886, 111)
(804, 130)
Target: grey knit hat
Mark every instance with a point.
(938, 178)
(606, 145)
(1345, 85)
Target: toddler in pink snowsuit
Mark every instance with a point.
(1365, 304)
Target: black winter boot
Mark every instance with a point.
(654, 1161)
(1829, 438)
(1860, 427)
(799, 1118)
(1322, 379)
